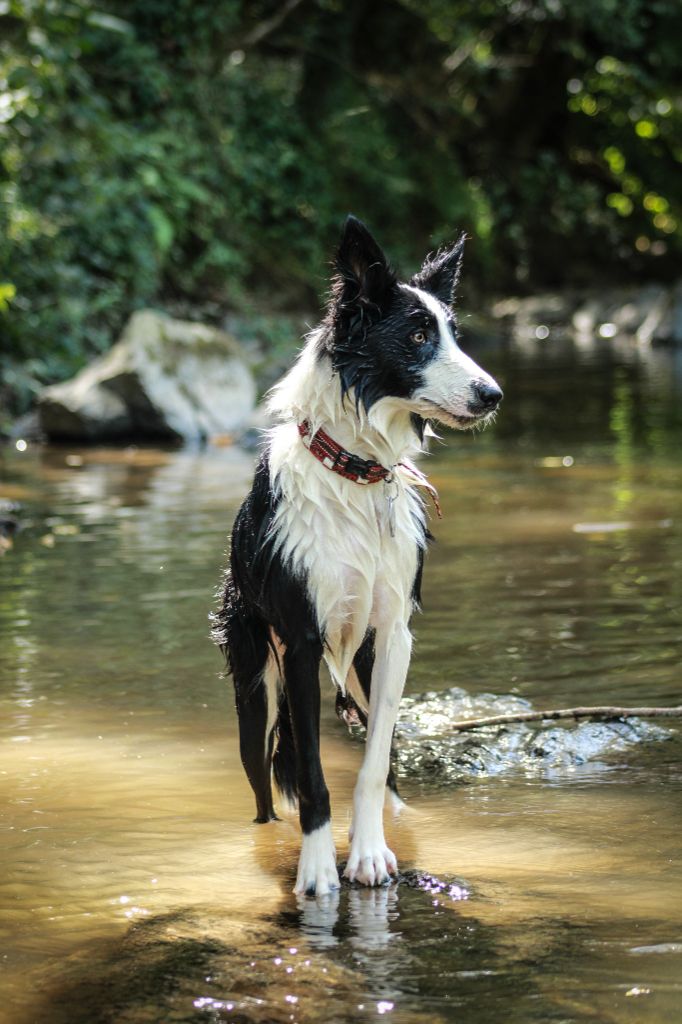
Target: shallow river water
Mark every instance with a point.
(134, 886)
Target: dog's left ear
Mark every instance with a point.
(364, 276)
(440, 273)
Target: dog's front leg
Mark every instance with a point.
(370, 861)
(317, 873)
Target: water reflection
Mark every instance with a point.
(135, 886)
(318, 919)
(575, 393)
(369, 919)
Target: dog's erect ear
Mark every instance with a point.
(364, 276)
(440, 273)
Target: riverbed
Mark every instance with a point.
(134, 885)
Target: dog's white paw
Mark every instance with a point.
(317, 872)
(370, 863)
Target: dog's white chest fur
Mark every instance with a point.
(360, 568)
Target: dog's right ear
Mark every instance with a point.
(363, 275)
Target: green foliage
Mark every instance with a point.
(206, 151)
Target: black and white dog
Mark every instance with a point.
(327, 549)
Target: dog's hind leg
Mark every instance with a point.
(363, 664)
(256, 674)
(317, 872)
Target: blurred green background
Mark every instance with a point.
(200, 156)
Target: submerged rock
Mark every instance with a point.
(427, 747)
(164, 378)
(315, 960)
(191, 966)
(411, 878)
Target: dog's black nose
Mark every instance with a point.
(486, 396)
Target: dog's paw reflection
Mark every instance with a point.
(370, 912)
(318, 918)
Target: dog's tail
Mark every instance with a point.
(284, 760)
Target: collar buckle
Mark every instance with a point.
(339, 460)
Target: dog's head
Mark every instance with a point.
(393, 340)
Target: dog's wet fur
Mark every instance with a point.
(322, 567)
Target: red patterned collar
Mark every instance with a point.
(361, 471)
(336, 458)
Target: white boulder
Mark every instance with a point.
(164, 378)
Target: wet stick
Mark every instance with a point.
(604, 714)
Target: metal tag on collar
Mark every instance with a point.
(391, 490)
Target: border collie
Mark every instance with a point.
(328, 547)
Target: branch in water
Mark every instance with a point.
(604, 714)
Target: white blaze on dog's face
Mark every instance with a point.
(396, 342)
(453, 388)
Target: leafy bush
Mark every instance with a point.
(205, 151)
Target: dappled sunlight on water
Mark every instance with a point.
(135, 886)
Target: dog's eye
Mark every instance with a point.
(418, 337)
